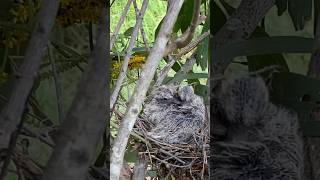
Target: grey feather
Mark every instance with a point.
(263, 141)
(175, 112)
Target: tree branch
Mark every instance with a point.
(11, 114)
(120, 22)
(140, 167)
(164, 71)
(85, 121)
(143, 84)
(192, 44)
(143, 34)
(186, 37)
(239, 26)
(125, 63)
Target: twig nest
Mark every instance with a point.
(176, 114)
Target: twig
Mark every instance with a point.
(84, 123)
(143, 34)
(163, 73)
(57, 84)
(11, 113)
(112, 3)
(186, 37)
(140, 168)
(143, 84)
(120, 22)
(192, 45)
(124, 67)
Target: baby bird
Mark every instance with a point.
(175, 112)
(263, 140)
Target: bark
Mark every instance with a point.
(11, 113)
(239, 26)
(143, 84)
(84, 123)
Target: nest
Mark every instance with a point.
(180, 160)
(187, 157)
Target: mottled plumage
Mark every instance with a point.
(175, 112)
(263, 140)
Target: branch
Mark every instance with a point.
(186, 37)
(125, 63)
(143, 84)
(84, 123)
(189, 63)
(120, 22)
(143, 34)
(163, 73)
(192, 44)
(139, 170)
(239, 26)
(11, 113)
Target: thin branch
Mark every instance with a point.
(57, 84)
(139, 171)
(186, 37)
(143, 84)
(11, 113)
(192, 45)
(120, 22)
(84, 124)
(143, 34)
(125, 63)
(164, 71)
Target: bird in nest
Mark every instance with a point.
(175, 112)
(263, 141)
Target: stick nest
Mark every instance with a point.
(175, 130)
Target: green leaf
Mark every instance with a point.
(300, 11)
(202, 49)
(257, 62)
(129, 31)
(218, 18)
(265, 45)
(158, 29)
(184, 17)
(282, 6)
(203, 91)
(227, 7)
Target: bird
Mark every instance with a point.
(263, 141)
(176, 113)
